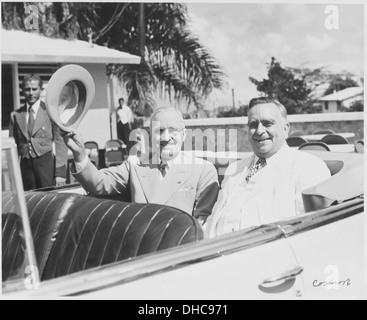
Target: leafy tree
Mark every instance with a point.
(339, 83)
(299, 88)
(175, 63)
(325, 80)
(283, 85)
(228, 112)
(356, 106)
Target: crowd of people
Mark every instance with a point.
(262, 188)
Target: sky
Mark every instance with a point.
(244, 36)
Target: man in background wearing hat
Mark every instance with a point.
(165, 176)
(34, 134)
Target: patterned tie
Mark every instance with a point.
(261, 163)
(30, 121)
(163, 168)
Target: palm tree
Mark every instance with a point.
(175, 64)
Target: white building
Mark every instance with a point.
(342, 99)
(26, 52)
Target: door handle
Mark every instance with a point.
(284, 276)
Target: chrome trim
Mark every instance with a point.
(310, 221)
(284, 276)
(30, 262)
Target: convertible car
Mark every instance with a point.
(65, 243)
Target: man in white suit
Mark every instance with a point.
(166, 176)
(268, 185)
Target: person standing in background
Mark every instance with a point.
(35, 134)
(124, 118)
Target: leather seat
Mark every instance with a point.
(102, 232)
(72, 232)
(296, 141)
(46, 214)
(349, 172)
(12, 250)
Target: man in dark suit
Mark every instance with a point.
(35, 134)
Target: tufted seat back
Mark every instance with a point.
(73, 232)
(47, 212)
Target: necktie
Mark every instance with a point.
(163, 168)
(30, 121)
(261, 163)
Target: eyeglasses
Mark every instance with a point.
(171, 132)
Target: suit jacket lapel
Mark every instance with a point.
(40, 118)
(22, 120)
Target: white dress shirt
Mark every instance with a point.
(125, 114)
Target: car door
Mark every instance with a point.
(247, 264)
(329, 246)
(242, 265)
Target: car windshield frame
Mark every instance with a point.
(27, 275)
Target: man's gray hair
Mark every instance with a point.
(163, 110)
(263, 100)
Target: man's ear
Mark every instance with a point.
(184, 134)
(287, 127)
(150, 135)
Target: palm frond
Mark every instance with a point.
(176, 63)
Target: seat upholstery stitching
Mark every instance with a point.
(46, 253)
(146, 229)
(8, 201)
(12, 229)
(184, 235)
(19, 246)
(33, 210)
(64, 241)
(43, 214)
(95, 233)
(11, 210)
(72, 260)
(62, 248)
(127, 229)
(111, 230)
(165, 230)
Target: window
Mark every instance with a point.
(6, 95)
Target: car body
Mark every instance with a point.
(317, 255)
